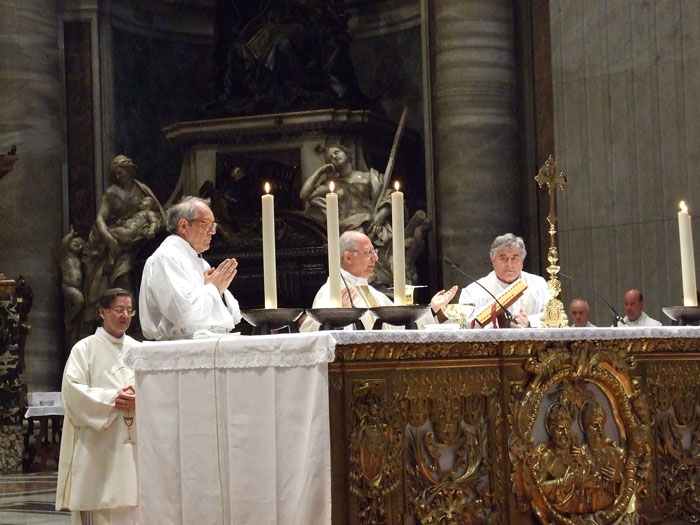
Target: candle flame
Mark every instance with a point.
(396, 185)
(331, 186)
(683, 207)
(267, 187)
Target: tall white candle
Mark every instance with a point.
(685, 233)
(397, 228)
(332, 232)
(268, 233)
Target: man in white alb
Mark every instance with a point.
(634, 308)
(507, 257)
(580, 313)
(97, 478)
(358, 257)
(180, 293)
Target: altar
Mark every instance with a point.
(409, 427)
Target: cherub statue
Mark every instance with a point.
(142, 225)
(72, 280)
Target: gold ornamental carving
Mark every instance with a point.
(452, 419)
(580, 436)
(375, 451)
(554, 316)
(675, 391)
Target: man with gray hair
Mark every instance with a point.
(357, 260)
(507, 257)
(580, 313)
(180, 293)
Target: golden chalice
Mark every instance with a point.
(459, 313)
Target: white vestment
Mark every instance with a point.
(376, 298)
(588, 325)
(532, 301)
(642, 320)
(174, 302)
(96, 469)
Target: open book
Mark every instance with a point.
(508, 297)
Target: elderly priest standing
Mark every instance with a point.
(180, 293)
(358, 257)
(507, 257)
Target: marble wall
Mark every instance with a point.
(626, 78)
(31, 117)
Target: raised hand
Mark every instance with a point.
(222, 275)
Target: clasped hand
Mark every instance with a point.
(126, 399)
(222, 275)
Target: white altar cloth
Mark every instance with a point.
(233, 430)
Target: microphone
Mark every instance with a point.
(509, 317)
(616, 317)
(348, 289)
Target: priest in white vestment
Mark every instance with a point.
(580, 313)
(97, 478)
(634, 310)
(180, 293)
(507, 257)
(358, 258)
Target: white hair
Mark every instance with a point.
(507, 240)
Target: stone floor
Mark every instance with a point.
(30, 499)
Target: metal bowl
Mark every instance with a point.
(273, 318)
(330, 318)
(683, 315)
(399, 315)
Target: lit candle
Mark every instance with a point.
(268, 232)
(332, 232)
(398, 246)
(685, 232)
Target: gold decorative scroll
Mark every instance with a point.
(554, 316)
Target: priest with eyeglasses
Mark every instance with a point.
(358, 258)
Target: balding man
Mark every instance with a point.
(634, 308)
(579, 313)
(180, 293)
(358, 258)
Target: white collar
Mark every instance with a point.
(101, 332)
(352, 280)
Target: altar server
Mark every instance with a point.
(507, 257)
(634, 308)
(358, 258)
(180, 293)
(97, 465)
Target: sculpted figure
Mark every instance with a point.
(364, 204)
(121, 226)
(559, 468)
(72, 280)
(605, 459)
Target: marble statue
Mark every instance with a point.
(364, 203)
(129, 214)
(72, 247)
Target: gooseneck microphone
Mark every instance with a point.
(348, 289)
(506, 313)
(616, 317)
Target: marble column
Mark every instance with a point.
(472, 120)
(31, 117)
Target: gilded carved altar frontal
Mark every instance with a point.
(561, 431)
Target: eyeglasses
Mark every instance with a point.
(368, 252)
(120, 310)
(208, 225)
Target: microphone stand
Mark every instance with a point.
(348, 290)
(616, 317)
(509, 317)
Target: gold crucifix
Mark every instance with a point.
(554, 316)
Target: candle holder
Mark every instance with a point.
(337, 318)
(266, 319)
(683, 315)
(406, 315)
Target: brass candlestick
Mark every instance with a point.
(554, 315)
